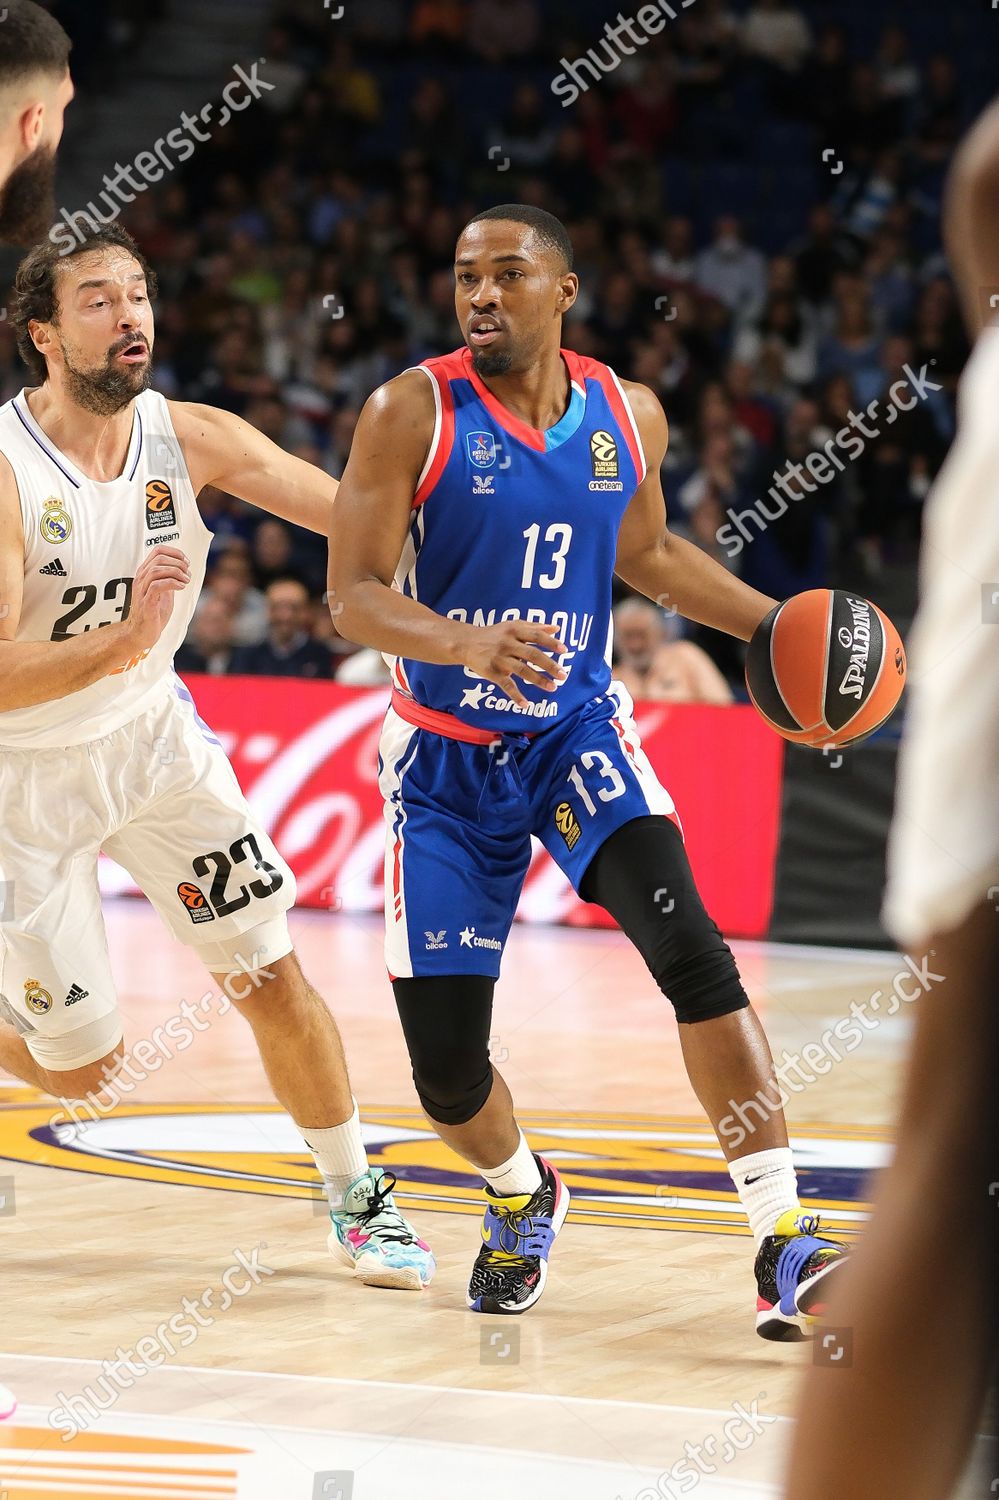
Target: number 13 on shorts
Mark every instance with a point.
(599, 761)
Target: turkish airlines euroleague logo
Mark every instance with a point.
(160, 511)
(193, 897)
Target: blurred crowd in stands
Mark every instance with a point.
(754, 199)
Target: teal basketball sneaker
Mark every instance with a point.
(371, 1235)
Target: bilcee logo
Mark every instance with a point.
(436, 940)
(603, 455)
(482, 484)
(858, 643)
(481, 449)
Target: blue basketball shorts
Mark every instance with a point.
(460, 819)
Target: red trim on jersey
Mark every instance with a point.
(441, 371)
(533, 437)
(592, 369)
(630, 752)
(438, 722)
(397, 877)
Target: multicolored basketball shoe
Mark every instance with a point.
(511, 1268)
(370, 1234)
(793, 1266)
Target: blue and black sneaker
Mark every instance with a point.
(793, 1266)
(511, 1268)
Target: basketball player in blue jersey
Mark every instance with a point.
(489, 498)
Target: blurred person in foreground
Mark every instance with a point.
(920, 1296)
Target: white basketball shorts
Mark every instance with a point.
(160, 797)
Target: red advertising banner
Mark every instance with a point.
(305, 754)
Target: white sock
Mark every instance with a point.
(340, 1155)
(518, 1175)
(768, 1187)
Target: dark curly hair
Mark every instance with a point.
(35, 298)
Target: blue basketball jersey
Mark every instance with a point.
(513, 523)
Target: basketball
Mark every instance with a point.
(825, 668)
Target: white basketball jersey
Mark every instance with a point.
(83, 543)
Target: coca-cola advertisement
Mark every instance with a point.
(306, 756)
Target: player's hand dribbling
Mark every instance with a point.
(158, 578)
(514, 648)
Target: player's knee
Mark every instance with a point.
(446, 1022)
(453, 1088)
(90, 1081)
(695, 969)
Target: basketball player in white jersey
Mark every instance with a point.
(102, 557)
(921, 1294)
(35, 88)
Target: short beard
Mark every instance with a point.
(484, 362)
(27, 201)
(107, 392)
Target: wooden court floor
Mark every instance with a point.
(643, 1342)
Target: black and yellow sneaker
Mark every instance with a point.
(511, 1268)
(793, 1266)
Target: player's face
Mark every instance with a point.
(510, 295)
(27, 198)
(104, 336)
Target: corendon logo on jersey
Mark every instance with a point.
(481, 449)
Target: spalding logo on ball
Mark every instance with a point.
(825, 668)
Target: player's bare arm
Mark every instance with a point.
(223, 450)
(666, 568)
(370, 524)
(38, 671)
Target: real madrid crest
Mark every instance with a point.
(56, 524)
(36, 998)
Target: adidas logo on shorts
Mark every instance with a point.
(76, 993)
(54, 569)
